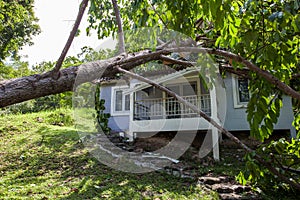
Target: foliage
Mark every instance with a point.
(254, 29)
(51, 102)
(13, 69)
(283, 154)
(24, 107)
(264, 32)
(61, 117)
(296, 122)
(101, 116)
(89, 54)
(263, 112)
(17, 26)
(62, 100)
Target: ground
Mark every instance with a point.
(42, 157)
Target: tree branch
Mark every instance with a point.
(293, 170)
(263, 73)
(212, 122)
(158, 15)
(55, 71)
(295, 76)
(120, 27)
(175, 61)
(223, 67)
(240, 72)
(26, 88)
(190, 105)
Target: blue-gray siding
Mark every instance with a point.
(235, 120)
(116, 123)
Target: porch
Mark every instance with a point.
(153, 111)
(167, 114)
(170, 108)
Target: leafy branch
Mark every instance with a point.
(251, 66)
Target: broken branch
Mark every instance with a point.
(55, 71)
(263, 73)
(120, 28)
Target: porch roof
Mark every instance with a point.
(165, 78)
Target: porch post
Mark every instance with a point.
(214, 131)
(215, 143)
(130, 134)
(164, 106)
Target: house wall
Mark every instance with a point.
(116, 123)
(236, 118)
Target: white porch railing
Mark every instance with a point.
(170, 108)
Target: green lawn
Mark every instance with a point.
(41, 157)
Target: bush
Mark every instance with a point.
(51, 102)
(61, 117)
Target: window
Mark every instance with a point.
(241, 93)
(243, 90)
(120, 103)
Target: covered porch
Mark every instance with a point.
(152, 110)
(170, 108)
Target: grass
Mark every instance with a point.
(41, 157)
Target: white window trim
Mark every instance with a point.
(236, 99)
(113, 103)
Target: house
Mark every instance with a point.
(137, 107)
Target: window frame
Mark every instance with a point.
(236, 94)
(114, 90)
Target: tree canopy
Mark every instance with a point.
(18, 25)
(266, 33)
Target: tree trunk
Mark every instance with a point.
(30, 87)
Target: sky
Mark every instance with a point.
(56, 19)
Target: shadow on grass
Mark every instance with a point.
(119, 185)
(55, 164)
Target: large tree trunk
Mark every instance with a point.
(30, 87)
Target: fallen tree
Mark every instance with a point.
(38, 85)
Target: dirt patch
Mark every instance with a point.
(188, 167)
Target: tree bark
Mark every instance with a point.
(120, 27)
(64, 52)
(30, 87)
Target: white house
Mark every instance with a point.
(137, 107)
